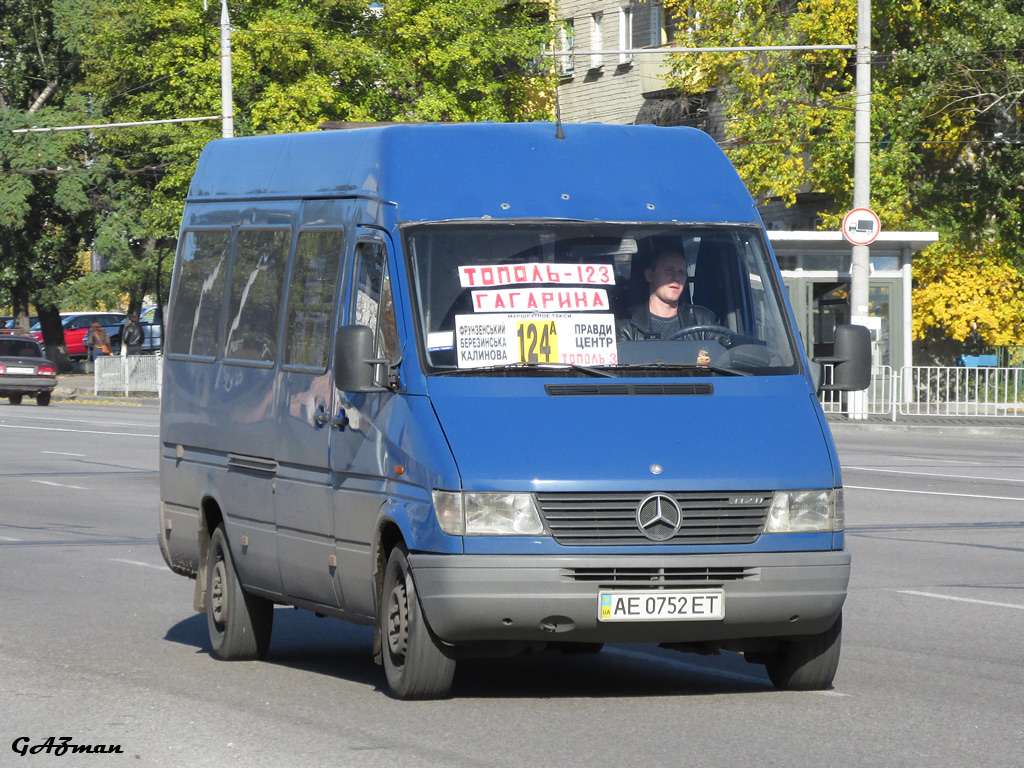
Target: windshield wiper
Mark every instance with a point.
(539, 368)
(688, 367)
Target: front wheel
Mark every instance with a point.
(415, 662)
(240, 624)
(807, 663)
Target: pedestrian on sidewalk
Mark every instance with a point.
(97, 341)
(132, 335)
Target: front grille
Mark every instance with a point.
(660, 578)
(588, 519)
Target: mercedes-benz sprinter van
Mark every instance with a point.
(492, 390)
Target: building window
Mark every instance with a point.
(566, 43)
(596, 41)
(667, 26)
(625, 33)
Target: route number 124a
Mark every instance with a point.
(538, 342)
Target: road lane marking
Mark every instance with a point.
(725, 673)
(140, 563)
(938, 474)
(63, 453)
(58, 485)
(935, 493)
(80, 431)
(8, 538)
(961, 599)
(34, 418)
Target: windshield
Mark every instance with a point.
(599, 299)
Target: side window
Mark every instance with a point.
(254, 302)
(309, 325)
(199, 293)
(374, 305)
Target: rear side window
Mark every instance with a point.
(199, 293)
(311, 302)
(255, 297)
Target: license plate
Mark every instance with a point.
(18, 369)
(708, 605)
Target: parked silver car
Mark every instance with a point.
(152, 329)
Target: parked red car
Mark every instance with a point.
(76, 326)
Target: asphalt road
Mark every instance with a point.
(98, 641)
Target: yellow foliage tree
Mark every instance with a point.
(961, 293)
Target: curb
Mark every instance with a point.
(974, 428)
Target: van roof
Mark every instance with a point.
(472, 171)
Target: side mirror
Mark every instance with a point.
(355, 367)
(851, 359)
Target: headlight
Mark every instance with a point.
(803, 511)
(488, 514)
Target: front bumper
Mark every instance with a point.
(470, 598)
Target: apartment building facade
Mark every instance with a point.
(617, 87)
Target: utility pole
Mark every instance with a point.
(861, 257)
(226, 107)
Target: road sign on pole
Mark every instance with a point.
(861, 226)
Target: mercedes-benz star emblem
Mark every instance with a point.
(658, 517)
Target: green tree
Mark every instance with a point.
(45, 178)
(295, 64)
(947, 134)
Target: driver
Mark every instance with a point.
(664, 315)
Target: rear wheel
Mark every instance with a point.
(14, 399)
(415, 662)
(43, 398)
(240, 624)
(807, 663)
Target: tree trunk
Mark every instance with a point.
(19, 303)
(53, 338)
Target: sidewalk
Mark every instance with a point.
(963, 425)
(80, 388)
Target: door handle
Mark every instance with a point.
(322, 417)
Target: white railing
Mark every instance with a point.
(913, 391)
(128, 375)
(880, 400)
(985, 392)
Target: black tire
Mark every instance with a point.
(14, 399)
(240, 624)
(807, 663)
(415, 662)
(43, 398)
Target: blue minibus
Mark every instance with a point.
(494, 389)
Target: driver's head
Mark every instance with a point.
(667, 276)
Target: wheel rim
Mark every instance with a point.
(398, 621)
(217, 598)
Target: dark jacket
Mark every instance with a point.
(132, 335)
(637, 327)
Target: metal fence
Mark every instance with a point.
(984, 392)
(128, 375)
(880, 399)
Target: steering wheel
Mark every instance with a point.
(706, 332)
